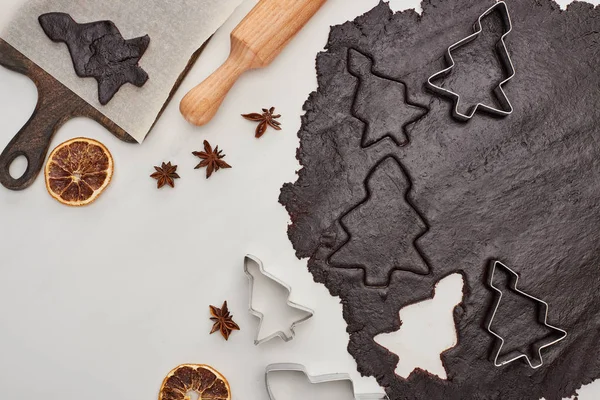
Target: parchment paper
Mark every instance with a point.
(177, 28)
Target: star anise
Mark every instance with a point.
(211, 159)
(266, 119)
(223, 321)
(165, 175)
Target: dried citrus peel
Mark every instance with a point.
(78, 171)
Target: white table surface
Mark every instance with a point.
(105, 300)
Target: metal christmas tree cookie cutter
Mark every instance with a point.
(542, 316)
(502, 51)
(283, 335)
(316, 379)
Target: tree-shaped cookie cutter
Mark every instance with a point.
(286, 338)
(316, 379)
(543, 318)
(504, 57)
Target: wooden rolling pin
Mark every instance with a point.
(255, 42)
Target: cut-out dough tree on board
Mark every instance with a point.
(99, 50)
(383, 228)
(372, 89)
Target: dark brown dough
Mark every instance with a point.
(524, 189)
(98, 50)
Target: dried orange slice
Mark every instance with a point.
(78, 171)
(204, 380)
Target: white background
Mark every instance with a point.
(101, 302)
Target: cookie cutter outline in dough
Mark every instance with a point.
(407, 102)
(504, 57)
(513, 286)
(250, 258)
(316, 379)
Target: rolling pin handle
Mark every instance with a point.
(201, 103)
(256, 41)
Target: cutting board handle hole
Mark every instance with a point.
(18, 167)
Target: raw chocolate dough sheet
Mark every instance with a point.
(376, 204)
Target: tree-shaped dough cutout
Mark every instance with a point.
(374, 95)
(99, 50)
(383, 229)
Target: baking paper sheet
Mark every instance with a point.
(177, 28)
